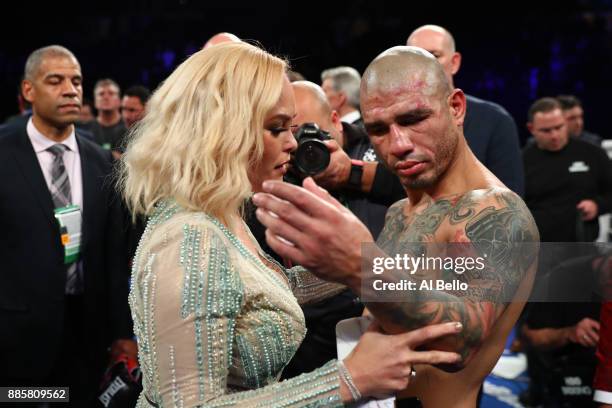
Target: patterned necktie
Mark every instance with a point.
(62, 196)
(60, 184)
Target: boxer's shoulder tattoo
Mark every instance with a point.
(394, 224)
(495, 222)
(507, 233)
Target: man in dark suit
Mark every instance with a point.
(59, 313)
(489, 129)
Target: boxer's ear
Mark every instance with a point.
(457, 105)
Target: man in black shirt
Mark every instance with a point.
(133, 104)
(108, 128)
(568, 181)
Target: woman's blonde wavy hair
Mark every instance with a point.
(203, 131)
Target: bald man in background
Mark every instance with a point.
(313, 106)
(354, 167)
(220, 38)
(489, 130)
(414, 119)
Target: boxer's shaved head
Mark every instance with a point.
(412, 114)
(405, 66)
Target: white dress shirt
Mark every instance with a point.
(72, 160)
(351, 117)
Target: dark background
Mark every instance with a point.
(513, 52)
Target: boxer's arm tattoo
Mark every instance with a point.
(504, 229)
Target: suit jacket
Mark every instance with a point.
(492, 135)
(33, 276)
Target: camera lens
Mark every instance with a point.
(312, 157)
(311, 154)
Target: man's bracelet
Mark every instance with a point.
(348, 380)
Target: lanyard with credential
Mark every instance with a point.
(69, 220)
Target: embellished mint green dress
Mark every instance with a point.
(215, 324)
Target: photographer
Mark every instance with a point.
(353, 174)
(365, 187)
(354, 167)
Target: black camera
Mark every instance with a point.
(312, 155)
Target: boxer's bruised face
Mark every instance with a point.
(414, 131)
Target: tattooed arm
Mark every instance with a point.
(496, 223)
(327, 239)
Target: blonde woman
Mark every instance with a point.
(216, 319)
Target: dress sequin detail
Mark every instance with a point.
(215, 324)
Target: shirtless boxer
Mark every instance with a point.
(414, 119)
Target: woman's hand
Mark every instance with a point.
(381, 364)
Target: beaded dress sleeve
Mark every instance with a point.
(308, 288)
